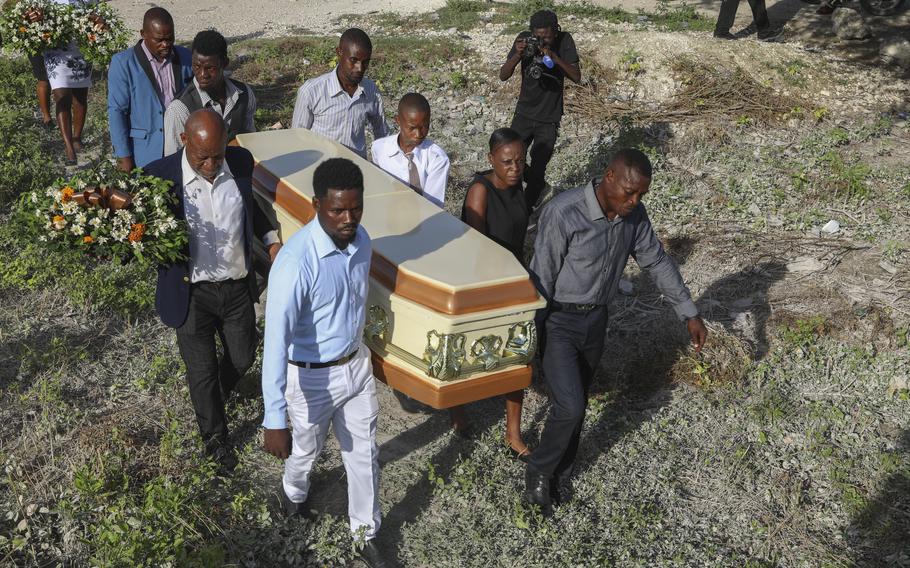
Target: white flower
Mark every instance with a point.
(95, 222)
(34, 197)
(59, 224)
(102, 240)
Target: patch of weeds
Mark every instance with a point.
(803, 333)
(837, 136)
(24, 148)
(680, 18)
(845, 179)
(631, 62)
(876, 128)
(791, 72)
(96, 285)
(427, 63)
(163, 369)
(156, 523)
(460, 14)
(771, 407)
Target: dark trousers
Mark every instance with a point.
(574, 344)
(540, 138)
(728, 14)
(226, 309)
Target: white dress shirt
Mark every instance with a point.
(215, 224)
(324, 107)
(431, 161)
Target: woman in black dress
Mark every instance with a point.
(495, 205)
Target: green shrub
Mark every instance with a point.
(27, 264)
(24, 156)
(460, 14)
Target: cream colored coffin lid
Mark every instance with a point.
(413, 234)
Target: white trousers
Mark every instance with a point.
(344, 396)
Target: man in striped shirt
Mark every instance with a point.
(340, 103)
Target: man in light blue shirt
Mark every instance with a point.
(316, 370)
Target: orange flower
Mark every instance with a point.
(136, 232)
(59, 222)
(91, 37)
(22, 29)
(87, 239)
(66, 194)
(46, 35)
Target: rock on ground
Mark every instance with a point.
(896, 51)
(849, 24)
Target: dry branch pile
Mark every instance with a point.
(707, 91)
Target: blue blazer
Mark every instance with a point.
(135, 113)
(172, 294)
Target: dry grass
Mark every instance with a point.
(708, 91)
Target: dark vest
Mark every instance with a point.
(235, 120)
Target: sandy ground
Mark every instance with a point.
(243, 19)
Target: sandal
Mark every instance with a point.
(521, 456)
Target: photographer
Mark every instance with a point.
(547, 56)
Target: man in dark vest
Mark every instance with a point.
(141, 83)
(213, 291)
(233, 100)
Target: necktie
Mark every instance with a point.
(413, 176)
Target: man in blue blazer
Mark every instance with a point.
(214, 290)
(142, 81)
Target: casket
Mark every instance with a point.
(450, 314)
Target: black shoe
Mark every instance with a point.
(288, 507)
(371, 556)
(537, 492)
(221, 452)
(724, 35)
(769, 35)
(555, 495)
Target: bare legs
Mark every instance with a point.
(71, 107)
(514, 401)
(44, 101)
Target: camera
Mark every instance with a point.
(537, 64)
(532, 47)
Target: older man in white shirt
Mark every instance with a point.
(213, 291)
(410, 156)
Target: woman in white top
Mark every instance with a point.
(70, 76)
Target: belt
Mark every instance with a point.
(334, 363)
(577, 308)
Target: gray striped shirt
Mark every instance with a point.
(580, 255)
(325, 108)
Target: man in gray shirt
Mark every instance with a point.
(584, 239)
(339, 104)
